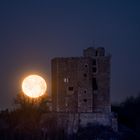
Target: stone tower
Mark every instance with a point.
(82, 84)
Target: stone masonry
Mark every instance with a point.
(81, 87)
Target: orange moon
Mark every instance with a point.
(34, 86)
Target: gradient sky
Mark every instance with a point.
(33, 32)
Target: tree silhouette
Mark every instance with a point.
(129, 112)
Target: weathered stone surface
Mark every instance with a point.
(81, 86)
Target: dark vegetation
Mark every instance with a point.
(97, 132)
(129, 113)
(26, 122)
(23, 122)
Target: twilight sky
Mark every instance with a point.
(34, 31)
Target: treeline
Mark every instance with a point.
(23, 122)
(129, 113)
(26, 122)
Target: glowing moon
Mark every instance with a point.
(34, 86)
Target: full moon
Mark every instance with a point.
(34, 86)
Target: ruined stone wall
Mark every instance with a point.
(71, 122)
(65, 86)
(94, 118)
(100, 73)
(102, 94)
(82, 84)
(72, 85)
(81, 90)
(85, 95)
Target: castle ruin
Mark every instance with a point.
(81, 89)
